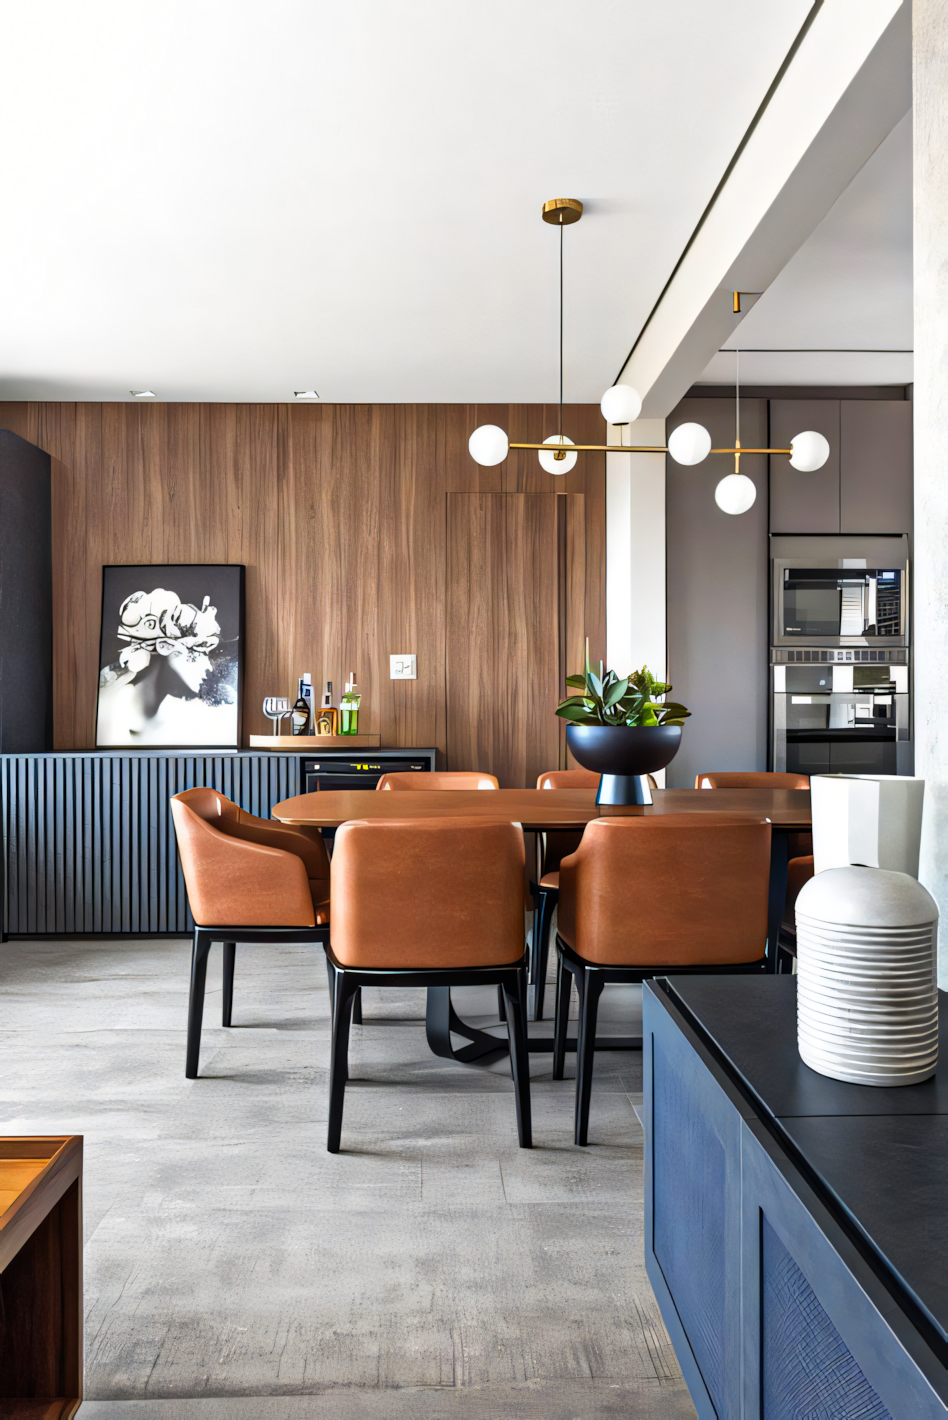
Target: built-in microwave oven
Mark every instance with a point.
(841, 592)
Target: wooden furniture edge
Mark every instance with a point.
(40, 1196)
(282, 743)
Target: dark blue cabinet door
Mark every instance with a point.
(692, 1222)
(823, 1339)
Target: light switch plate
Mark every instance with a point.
(402, 668)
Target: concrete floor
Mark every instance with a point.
(234, 1270)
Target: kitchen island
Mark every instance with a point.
(796, 1230)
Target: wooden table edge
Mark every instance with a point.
(786, 821)
(40, 1196)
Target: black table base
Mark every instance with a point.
(442, 1021)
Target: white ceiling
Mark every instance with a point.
(230, 201)
(840, 312)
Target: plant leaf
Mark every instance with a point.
(578, 715)
(607, 699)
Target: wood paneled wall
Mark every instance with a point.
(340, 514)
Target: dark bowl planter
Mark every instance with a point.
(623, 755)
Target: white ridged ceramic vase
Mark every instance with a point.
(867, 994)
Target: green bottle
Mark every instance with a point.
(349, 708)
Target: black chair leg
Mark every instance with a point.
(564, 990)
(357, 1007)
(202, 945)
(515, 1001)
(501, 1009)
(332, 985)
(339, 1061)
(227, 1002)
(585, 1050)
(541, 949)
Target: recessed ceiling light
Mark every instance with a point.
(306, 394)
(143, 394)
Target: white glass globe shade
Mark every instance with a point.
(621, 405)
(551, 463)
(690, 443)
(735, 494)
(810, 451)
(488, 445)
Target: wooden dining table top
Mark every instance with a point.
(538, 810)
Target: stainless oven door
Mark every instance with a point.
(851, 733)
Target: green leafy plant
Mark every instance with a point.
(608, 700)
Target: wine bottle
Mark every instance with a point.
(299, 715)
(349, 708)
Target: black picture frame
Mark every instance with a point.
(171, 665)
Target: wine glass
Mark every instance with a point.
(275, 707)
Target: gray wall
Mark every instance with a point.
(717, 575)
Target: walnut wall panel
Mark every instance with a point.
(339, 513)
(502, 643)
(514, 630)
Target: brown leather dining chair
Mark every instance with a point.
(248, 880)
(425, 780)
(551, 848)
(799, 845)
(434, 903)
(428, 781)
(655, 896)
(752, 779)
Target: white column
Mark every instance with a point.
(635, 552)
(930, 45)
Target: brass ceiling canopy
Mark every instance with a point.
(562, 211)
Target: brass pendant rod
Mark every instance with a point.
(635, 449)
(742, 450)
(561, 327)
(595, 448)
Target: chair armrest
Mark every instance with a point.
(280, 836)
(232, 882)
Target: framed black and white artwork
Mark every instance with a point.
(171, 656)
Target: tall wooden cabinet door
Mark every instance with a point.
(804, 502)
(875, 469)
(507, 585)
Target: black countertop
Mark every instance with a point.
(879, 1155)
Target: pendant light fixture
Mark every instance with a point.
(736, 493)
(689, 444)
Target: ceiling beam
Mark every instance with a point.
(845, 86)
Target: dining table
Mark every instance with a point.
(550, 810)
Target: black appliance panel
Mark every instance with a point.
(357, 772)
(850, 754)
(818, 602)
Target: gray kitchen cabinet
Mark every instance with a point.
(875, 471)
(805, 502)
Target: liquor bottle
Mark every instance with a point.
(326, 718)
(349, 708)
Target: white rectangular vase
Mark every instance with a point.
(874, 821)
